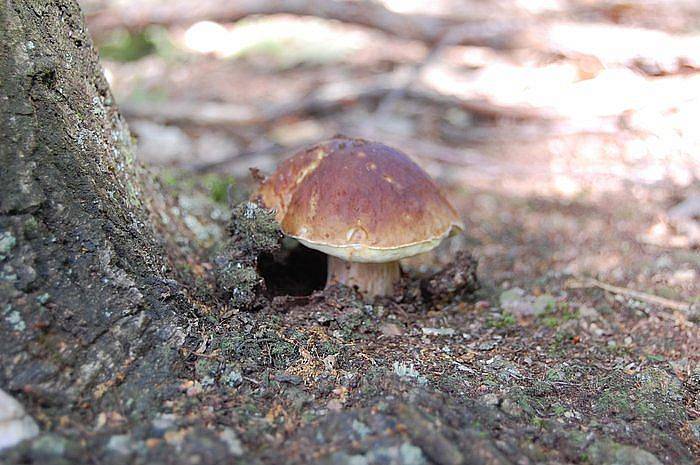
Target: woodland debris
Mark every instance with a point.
(253, 231)
(457, 280)
(641, 296)
(438, 331)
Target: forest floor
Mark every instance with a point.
(576, 175)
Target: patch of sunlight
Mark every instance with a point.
(416, 6)
(206, 37)
(288, 40)
(619, 44)
(540, 6)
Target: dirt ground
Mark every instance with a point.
(574, 163)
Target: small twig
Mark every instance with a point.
(641, 296)
(189, 352)
(673, 242)
(254, 381)
(326, 99)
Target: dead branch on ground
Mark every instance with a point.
(325, 99)
(638, 295)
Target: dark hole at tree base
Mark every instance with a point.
(295, 271)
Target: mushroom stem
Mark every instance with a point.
(372, 279)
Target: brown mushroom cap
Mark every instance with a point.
(360, 201)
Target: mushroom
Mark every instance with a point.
(364, 204)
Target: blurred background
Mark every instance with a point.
(565, 131)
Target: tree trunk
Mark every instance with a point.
(82, 273)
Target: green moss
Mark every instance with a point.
(618, 350)
(308, 416)
(661, 396)
(611, 402)
(561, 373)
(240, 283)
(282, 349)
(169, 178)
(254, 228)
(559, 410)
(122, 45)
(554, 316)
(371, 382)
(264, 348)
(578, 438)
(229, 345)
(523, 400)
(608, 452)
(206, 368)
(668, 292)
(560, 344)
(541, 389)
(503, 321)
(354, 323)
(328, 348)
(653, 395)
(218, 187)
(151, 94)
(7, 243)
(31, 227)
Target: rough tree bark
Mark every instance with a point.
(83, 276)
